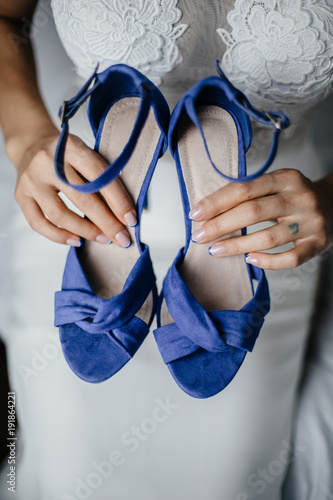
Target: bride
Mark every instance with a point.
(104, 441)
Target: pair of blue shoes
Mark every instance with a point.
(208, 314)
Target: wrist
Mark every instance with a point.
(26, 142)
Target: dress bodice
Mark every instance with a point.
(279, 53)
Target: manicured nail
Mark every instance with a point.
(101, 238)
(131, 219)
(217, 250)
(198, 235)
(251, 260)
(196, 212)
(124, 239)
(74, 242)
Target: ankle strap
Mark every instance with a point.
(273, 119)
(70, 107)
(141, 85)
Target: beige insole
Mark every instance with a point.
(217, 283)
(108, 266)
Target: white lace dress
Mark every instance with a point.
(138, 436)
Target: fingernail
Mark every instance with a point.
(217, 250)
(131, 219)
(196, 212)
(251, 260)
(124, 239)
(74, 242)
(198, 235)
(101, 238)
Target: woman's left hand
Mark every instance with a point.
(303, 211)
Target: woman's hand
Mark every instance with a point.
(303, 212)
(38, 186)
(31, 138)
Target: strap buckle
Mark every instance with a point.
(277, 122)
(72, 105)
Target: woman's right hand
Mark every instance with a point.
(31, 139)
(38, 187)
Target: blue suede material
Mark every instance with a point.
(205, 349)
(206, 374)
(220, 92)
(95, 358)
(116, 82)
(75, 305)
(98, 336)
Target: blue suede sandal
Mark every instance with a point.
(209, 313)
(108, 297)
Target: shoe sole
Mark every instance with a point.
(216, 283)
(108, 266)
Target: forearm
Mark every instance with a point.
(22, 111)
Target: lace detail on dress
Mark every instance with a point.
(139, 33)
(280, 53)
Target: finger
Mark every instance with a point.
(120, 202)
(91, 165)
(246, 214)
(99, 214)
(303, 251)
(60, 215)
(275, 236)
(35, 217)
(233, 194)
